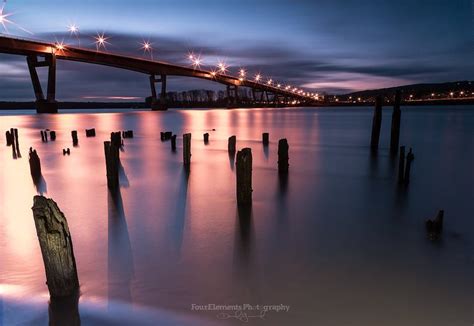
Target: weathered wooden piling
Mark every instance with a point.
(410, 158)
(173, 143)
(52, 135)
(9, 138)
(66, 151)
(90, 132)
(12, 135)
(42, 132)
(166, 135)
(75, 141)
(56, 248)
(35, 164)
(283, 156)
(112, 162)
(244, 177)
(15, 133)
(401, 165)
(265, 138)
(127, 134)
(116, 139)
(187, 149)
(396, 118)
(376, 124)
(435, 227)
(206, 138)
(231, 144)
(16, 142)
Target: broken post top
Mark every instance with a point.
(56, 247)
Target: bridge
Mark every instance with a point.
(44, 54)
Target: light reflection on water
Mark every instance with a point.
(337, 240)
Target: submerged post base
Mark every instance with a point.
(46, 107)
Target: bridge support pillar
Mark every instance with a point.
(158, 105)
(48, 104)
(232, 96)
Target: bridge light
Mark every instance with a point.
(73, 29)
(242, 73)
(101, 41)
(258, 77)
(270, 81)
(279, 85)
(222, 67)
(60, 46)
(197, 62)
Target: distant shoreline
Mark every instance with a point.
(142, 105)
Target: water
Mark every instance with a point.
(339, 242)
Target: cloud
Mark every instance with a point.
(336, 73)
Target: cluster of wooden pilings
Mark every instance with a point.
(12, 140)
(52, 227)
(44, 135)
(404, 168)
(377, 124)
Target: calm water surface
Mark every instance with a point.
(338, 240)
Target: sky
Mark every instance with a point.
(334, 46)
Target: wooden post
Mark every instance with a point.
(244, 177)
(265, 138)
(75, 141)
(435, 227)
(90, 132)
(206, 138)
(56, 247)
(42, 136)
(116, 139)
(9, 138)
(66, 151)
(173, 143)
(35, 164)
(127, 134)
(12, 133)
(112, 161)
(401, 165)
(410, 158)
(283, 156)
(187, 149)
(15, 131)
(52, 135)
(231, 144)
(396, 118)
(376, 124)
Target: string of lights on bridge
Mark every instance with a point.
(101, 42)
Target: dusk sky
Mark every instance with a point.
(324, 45)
